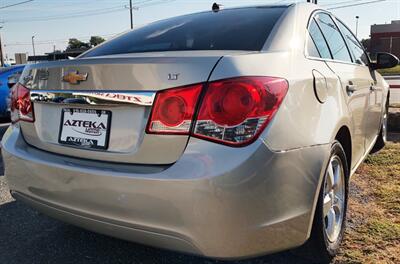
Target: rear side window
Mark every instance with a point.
(318, 40)
(311, 48)
(231, 29)
(360, 57)
(333, 37)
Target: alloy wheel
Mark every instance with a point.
(334, 199)
(384, 125)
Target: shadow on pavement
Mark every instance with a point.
(3, 128)
(27, 236)
(394, 137)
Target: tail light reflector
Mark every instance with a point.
(173, 110)
(233, 111)
(21, 105)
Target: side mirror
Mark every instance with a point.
(385, 60)
(13, 79)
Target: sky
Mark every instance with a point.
(53, 22)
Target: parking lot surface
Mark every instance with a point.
(26, 236)
(372, 234)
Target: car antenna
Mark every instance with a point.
(216, 7)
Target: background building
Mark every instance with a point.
(57, 55)
(386, 38)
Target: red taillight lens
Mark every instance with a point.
(173, 110)
(21, 105)
(235, 111)
(227, 104)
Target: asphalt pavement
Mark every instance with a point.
(27, 236)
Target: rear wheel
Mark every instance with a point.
(330, 215)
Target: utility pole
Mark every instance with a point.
(33, 47)
(357, 17)
(131, 8)
(1, 46)
(1, 52)
(131, 11)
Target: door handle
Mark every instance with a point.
(351, 88)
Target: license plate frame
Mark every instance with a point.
(84, 140)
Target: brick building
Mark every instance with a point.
(386, 38)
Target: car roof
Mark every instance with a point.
(11, 68)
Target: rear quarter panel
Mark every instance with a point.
(301, 120)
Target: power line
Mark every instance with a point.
(156, 3)
(145, 3)
(20, 3)
(46, 42)
(1, 46)
(139, 4)
(133, 6)
(342, 3)
(77, 14)
(359, 4)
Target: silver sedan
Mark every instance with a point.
(228, 134)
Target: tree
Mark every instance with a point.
(366, 43)
(96, 40)
(74, 44)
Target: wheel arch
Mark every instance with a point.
(344, 137)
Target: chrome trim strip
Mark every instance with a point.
(103, 97)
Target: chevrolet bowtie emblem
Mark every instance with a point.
(74, 77)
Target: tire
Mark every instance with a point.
(382, 137)
(325, 240)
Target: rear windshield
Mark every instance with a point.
(231, 29)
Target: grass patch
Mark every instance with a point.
(384, 170)
(373, 232)
(389, 197)
(391, 71)
(389, 156)
(383, 229)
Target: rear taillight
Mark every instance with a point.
(173, 110)
(235, 111)
(232, 112)
(21, 105)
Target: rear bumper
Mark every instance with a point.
(215, 201)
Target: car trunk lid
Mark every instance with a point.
(113, 91)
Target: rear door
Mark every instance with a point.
(355, 79)
(375, 97)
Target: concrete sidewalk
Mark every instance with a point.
(394, 82)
